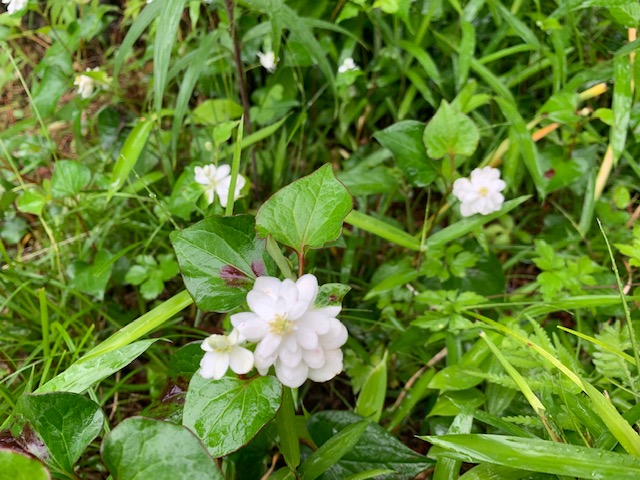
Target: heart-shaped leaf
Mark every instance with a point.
(69, 178)
(220, 257)
(450, 132)
(225, 414)
(377, 449)
(17, 466)
(65, 422)
(307, 213)
(146, 448)
(404, 140)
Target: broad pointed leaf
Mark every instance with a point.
(17, 466)
(220, 257)
(147, 448)
(225, 414)
(307, 213)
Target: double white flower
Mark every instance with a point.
(481, 192)
(217, 180)
(299, 340)
(85, 83)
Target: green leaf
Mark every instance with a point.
(31, 201)
(136, 275)
(371, 399)
(622, 102)
(450, 133)
(382, 229)
(66, 423)
(69, 178)
(307, 213)
(536, 455)
(153, 286)
(404, 140)
(332, 450)
(92, 278)
(147, 448)
(87, 372)
(215, 111)
(376, 449)
(16, 466)
(129, 155)
(220, 257)
(225, 414)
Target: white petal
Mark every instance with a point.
(335, 337)
(270, 286)
(467, 209)
(268, 345)
(331, 368)
(221, 172)
(210, 194)
(316, 321)
(292, 377)
(222, 198)
(240, 360)
(306, 338)
(250, 326)
(290, 358)
(307, 286)
(201, 176)
(261, 304)
(331, 311)
(214, 364)
(314, 358)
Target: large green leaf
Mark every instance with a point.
(536, 456)
(377, 449)
(147, 448)
(69, 178)
(307, 213)
(16, 466)
(220, 257)
(85, 373)
(65, 422)
(404, 140)
(225, 414)
(450, 133)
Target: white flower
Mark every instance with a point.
(268, 60)
(224, 351)
(217, 180)
(15, 5)
(480, 193)
(301, 341)
(86, 84)
(347, 65)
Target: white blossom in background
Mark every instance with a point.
(480, 193)
(224, 352)
(15, 5)
(268, 61)
(347, 65)
(85, 83)
(217, 181)
(302, 342)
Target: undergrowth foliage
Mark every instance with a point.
(287, 239)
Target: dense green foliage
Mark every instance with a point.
(500, 344)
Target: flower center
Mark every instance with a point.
(280, 326)
(483, 191)
(219, 343)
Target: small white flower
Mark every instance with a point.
(15, 5)
(223, 352)
(85, 83)
(217, 180)
(481, 192)
(268, 60)
(347, 65)
(301, 341)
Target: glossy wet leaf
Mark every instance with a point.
(536, 455)
(373, 393)
(65, 422)
(220, 257)
(377, 449)
(147, 448)
(225, 414)
(69, 177)
(404, 140)
(450, 133)
(307, 213)
(85, 373)
(16, 466)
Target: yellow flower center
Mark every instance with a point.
(219, 343)
(483, 191)
(280, 326)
